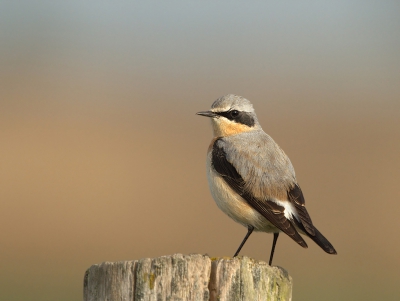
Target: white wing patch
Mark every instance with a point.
(290, 210)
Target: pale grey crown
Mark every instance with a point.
(232, 102)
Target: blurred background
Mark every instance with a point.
(102, 157)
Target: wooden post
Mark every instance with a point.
(187, 277)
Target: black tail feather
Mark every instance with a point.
(318, 238)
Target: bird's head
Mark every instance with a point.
(230, 115)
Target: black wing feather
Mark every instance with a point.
(305, 224)
(296, 197)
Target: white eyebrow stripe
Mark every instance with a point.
(224, 109)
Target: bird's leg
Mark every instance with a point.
(249, 231)
(276, 234)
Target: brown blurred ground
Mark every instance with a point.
(101, 162)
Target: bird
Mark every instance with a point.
(252, 180)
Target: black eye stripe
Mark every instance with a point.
(238, 117)
(226, 114)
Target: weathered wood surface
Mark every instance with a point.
(248, 279)
(187, 277)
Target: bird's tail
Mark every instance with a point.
(317, 237)
(320, 240)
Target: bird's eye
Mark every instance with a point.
(234, 113)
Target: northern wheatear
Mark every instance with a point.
(251, 179)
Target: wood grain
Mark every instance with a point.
(187, 277)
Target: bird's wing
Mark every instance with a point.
(296, 197)
(305, 224)
(273, 212)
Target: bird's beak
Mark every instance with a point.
(207, 114)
